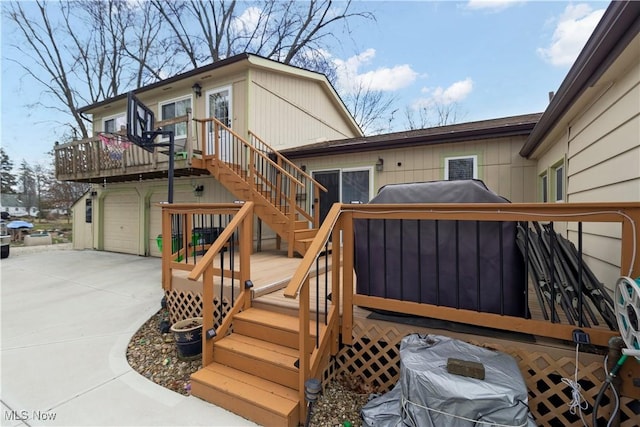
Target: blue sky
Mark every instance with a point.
(491, 58)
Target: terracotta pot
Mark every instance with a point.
(187, 334)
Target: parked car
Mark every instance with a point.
(5, 240)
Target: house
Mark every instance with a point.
(251, 97)
(524, 158)
(586, 145)
(12, 204)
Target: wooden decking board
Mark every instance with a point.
(253, 381)
(252, 347)
(276, 320)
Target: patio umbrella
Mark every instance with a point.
(19, 224)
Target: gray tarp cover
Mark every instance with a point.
(469, 265)
(427, 395)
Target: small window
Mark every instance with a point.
(463, 167)
(114, 123)
(88, 211)
(173, 109)
(544, 187)
(559, 184)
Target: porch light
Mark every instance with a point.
(380, 165)
(197, 89)
(198, 190)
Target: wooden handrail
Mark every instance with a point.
(221, 241)
(289, 162)
(252, 149)
(322, 237)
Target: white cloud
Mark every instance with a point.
(386, 79)
(573, 28)
(247, 21)
(492, 5)
(456, 92)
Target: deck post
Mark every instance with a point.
(246, 244)
(207, 314)
(347, 277)
(335, 286)
(304, 350)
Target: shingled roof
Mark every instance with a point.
(502, 127)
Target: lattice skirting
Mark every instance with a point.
(374, 358)
(185, 304)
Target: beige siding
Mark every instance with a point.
(499, 165)
(288, 111)
(82, 230)
(601, 139)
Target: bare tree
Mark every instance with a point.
(434, 114)
(371, 109)
(290, 31)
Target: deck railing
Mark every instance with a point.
(212, 243)
(279, 186)
(307, 196)
(569, 304)
(96, 157)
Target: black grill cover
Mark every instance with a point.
(421, 262)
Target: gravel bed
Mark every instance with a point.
(154, 356)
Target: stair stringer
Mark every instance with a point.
(277, 220)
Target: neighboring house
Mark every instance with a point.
(12, 204)
(587, 142)
(283, 105)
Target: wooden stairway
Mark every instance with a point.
(254, 372)
(267, 208)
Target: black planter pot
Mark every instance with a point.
(187, 334)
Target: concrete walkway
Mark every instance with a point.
(67, 317)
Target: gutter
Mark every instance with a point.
(617, 28)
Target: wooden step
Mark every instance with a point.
(260, 358)
(261, 401)
(273, 327)
(306, 234)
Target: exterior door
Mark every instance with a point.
(219, 106)
(331, 181)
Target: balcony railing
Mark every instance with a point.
(94, 159)
(429, 260)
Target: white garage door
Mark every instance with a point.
(155, 216)
(122, 223)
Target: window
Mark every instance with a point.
(544, 187)
(559, 183)
(355, 186)
(114, 123)
(463, 167)
(173, 109)
(88, 211)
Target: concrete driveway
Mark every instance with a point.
(67, 317)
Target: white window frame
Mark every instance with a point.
(357, 169)
(115, 118)
(470, 156)
(173, 101)
(559, 167)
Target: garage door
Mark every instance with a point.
(122, 223)
(155, 215)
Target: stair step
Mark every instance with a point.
(256, 399)
(273, 327)
(264, 359)
(309, 233)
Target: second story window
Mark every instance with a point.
(463, 167)
(114, 123)
(172, 109)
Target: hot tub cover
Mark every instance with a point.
(460, 264)
(427, 395)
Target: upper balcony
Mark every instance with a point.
(101, 159)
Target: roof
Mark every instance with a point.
(11, 201)
(502, 127)
(617, 28)
(203, 72)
